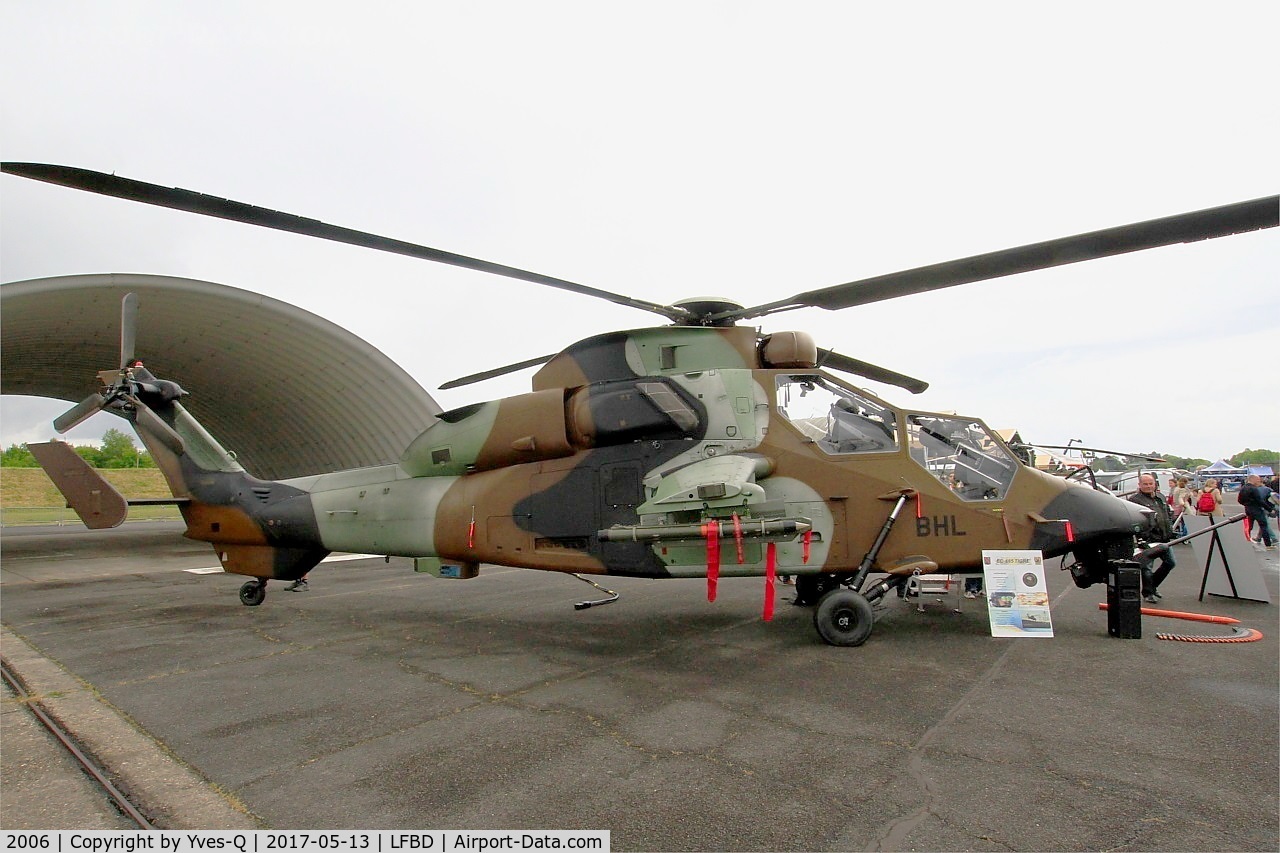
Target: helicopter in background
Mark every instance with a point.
(700, 449)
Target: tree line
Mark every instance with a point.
(116, 451)
(1187, 463)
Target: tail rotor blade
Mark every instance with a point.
(152, 423)
(80, 412)
(128, 328)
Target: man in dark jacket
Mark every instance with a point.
(1256, 506)
(1159, 529)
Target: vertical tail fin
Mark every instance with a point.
(95, 500)
(86, 491)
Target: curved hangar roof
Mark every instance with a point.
(291, 393)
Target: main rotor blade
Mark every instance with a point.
(1092, 450)
(826, 358)
(79, 413)
(497, 371)
(221, 208)
(835, 361)
(1183, 228)
(128, 328)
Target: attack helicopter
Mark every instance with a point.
(699, 449)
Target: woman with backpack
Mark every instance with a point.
(1182, 504)
(1209, 501)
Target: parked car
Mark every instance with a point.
(1127, 482)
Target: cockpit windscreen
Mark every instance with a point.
(962, 454)
(838, 420)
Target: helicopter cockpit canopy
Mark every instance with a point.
(838, 419)
(962, 453)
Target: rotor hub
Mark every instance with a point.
(705, 307)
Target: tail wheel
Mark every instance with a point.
(844, 618)
(253, 593)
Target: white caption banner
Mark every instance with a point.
(270, 841)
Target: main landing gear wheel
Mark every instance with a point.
(253, 592)
(844, 618)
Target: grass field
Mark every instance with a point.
(27, 496)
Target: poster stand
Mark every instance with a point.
(1215, 544)
(1017, 597)
(1231, 569)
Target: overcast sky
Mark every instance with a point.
(666, 150)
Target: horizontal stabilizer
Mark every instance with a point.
(95, 500)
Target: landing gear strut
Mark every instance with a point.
(253, 592)
(844, 616)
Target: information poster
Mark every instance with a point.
(1017, 597)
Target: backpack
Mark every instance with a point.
(1206, 503)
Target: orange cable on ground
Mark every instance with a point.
(1242, 635)
(1238, 635)
(1181, 614)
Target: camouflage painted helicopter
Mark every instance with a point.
(696, 450)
